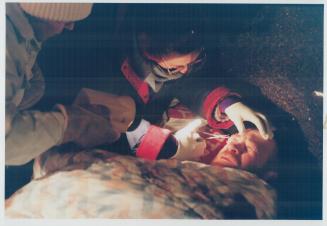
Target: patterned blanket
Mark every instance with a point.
(100, 184)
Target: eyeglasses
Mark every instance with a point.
(198, 63)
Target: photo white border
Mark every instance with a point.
(100, 222)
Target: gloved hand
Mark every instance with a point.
(97, 118)
(88, 125)
(190, 145)
(122, 108)
(238, 112)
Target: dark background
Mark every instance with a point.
(276, 48)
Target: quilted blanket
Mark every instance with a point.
(100, 184)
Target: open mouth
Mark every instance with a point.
(230, 161)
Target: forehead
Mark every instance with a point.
(253, 138)
(249, 134)
(265, 147)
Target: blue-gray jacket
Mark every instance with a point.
(28, 132)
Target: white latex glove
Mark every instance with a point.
(239, 112)
(190, 145)
(134, 137)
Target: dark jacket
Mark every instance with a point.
(191, 89)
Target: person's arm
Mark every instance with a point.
(153, 142)
(28, 133)
(205, 96)
(97, 118)
(219, 105)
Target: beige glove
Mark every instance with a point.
(97, 118)
(190, 145)
(122, 108)
(239, 112)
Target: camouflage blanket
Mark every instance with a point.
(100, 184)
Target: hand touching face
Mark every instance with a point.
(245, 151)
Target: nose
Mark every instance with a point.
(70, 26)
(235, 151)
(184, 69)
(236, 148)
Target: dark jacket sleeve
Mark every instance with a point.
(203, 95)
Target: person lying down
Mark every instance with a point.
(247, 151)
(99, 183)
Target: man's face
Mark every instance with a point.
(45, 29)
(174, 63)
(246, 151)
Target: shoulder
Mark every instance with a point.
(15, 45)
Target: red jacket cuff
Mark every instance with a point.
(152, 142)
(209, 106)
